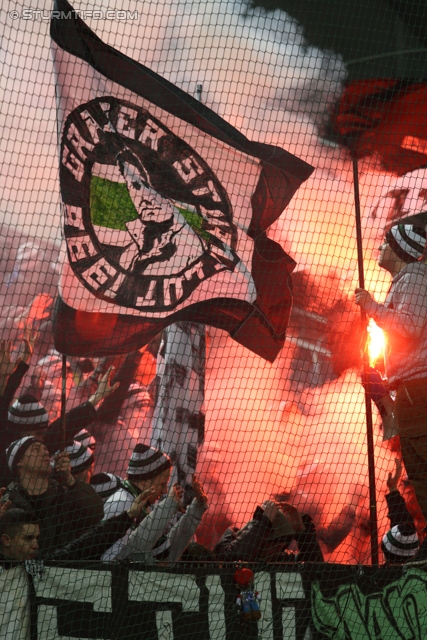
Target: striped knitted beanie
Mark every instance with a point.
(400, 542)
(147, 462)
(105, 484)
(81, 458)
(27, 414)
(407, 241)
(86, 439)
(16, 450)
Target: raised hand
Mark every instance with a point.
(270, 509)
(177, 493)
(5, 505)
(393, 478)
(140, 501)
(200, 494)
(104, 387)
(63, 468)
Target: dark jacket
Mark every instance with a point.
(64, 513)
(78, 418)
(89, 547)
(245, 544)
(398, 512)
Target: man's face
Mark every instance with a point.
(36, 460)
(23, 545)
(387, 259)
(160, 484)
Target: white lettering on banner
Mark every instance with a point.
(117, 282)
(126, 121)
(164, 625)
(289, 587)
(100, 273)
(92, 125)
(151, 135)
(188, 169)
(81, 247)
(76, 585)
(73, 216)
(72, 162)
(208, 190)
(164, 587)
(81, 146)
(150, 296)
(217, 629)
(263, 586)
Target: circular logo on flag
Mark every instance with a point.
(146, 219)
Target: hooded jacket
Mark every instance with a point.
(403, 316)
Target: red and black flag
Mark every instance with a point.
(166, 208)
(384, 118)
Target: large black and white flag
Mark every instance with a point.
(165, 207)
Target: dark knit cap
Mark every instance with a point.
(407, 241)
(147, 462)
(86, 438)
(105, 484)
(27, 414)
(16, 450)
(400, 542)
(81, 458)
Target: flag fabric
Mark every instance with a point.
(386, 118)
(179, 416)
(166, 208)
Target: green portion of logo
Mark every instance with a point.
(195, 221)
(399, 610)
(110, 204)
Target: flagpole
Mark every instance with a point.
(368, 406)
(64, 400)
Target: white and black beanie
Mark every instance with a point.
(27, 414)
(105, 484)
(81, 458)
(407, 241)
(86, 439)
(400, 542)
(147, 462)
(16, 450)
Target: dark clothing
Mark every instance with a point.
(90, 546)
(93, 543)
(64, 513)
(78, 418)
(6, 437)
(397, 510)
(19, 580)
(246, 544)
(411, 412)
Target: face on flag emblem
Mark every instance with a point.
(155, 221)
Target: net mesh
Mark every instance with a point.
(185, 321)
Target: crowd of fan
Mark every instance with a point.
(54, 508)
(47, 472)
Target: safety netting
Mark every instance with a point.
(213, 332)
